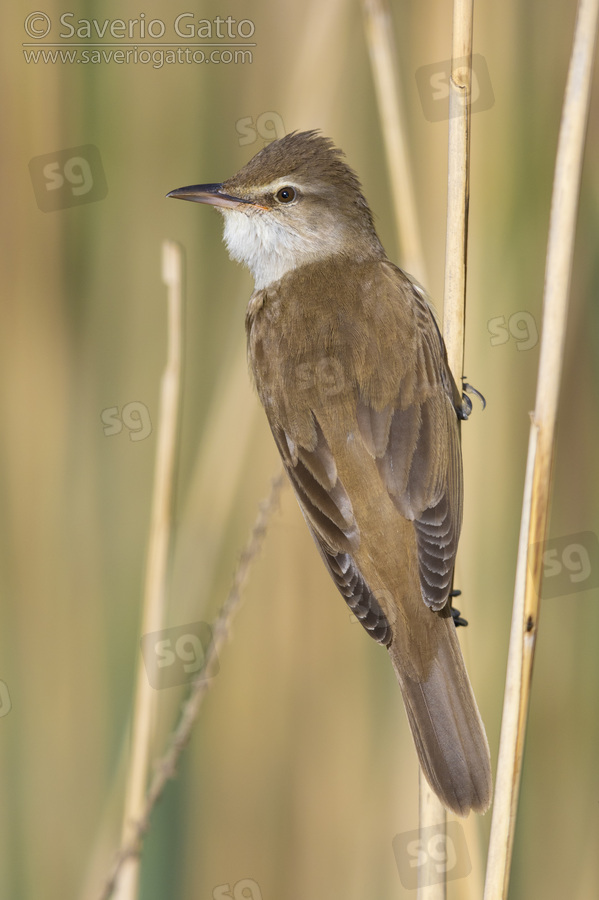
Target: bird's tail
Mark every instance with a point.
(446, 724)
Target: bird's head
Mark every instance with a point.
(295, 203)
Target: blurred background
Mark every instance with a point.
(301, 770)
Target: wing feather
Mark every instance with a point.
(392, 388)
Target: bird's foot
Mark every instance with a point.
(466, 409)
(455, 613)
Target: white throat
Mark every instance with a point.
(270, 249)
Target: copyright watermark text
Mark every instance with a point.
(182, 39)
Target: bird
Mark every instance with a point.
(351, 369)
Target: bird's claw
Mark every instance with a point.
(455, 613)
(466, 409)
(457, 618)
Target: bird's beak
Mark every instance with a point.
(212, 194)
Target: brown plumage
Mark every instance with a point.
(351, 370)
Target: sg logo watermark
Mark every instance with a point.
(175, 655)
(442, 854)
(433, 87)
(134, 415)
(570, 564)
(68, 178)
(245, 889)
(322, 380)
(268, 126)
(521, 326)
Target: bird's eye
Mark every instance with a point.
(285, 194)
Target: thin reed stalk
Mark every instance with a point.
(154, 606)
(537, 488)
(458, 186)
(388, 88)
(430, 887)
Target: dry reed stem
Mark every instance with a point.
(386, 76)
(166, 767)
(458, 187)
(146, 698)
(432, 811)
(431, 814)
(560, 248)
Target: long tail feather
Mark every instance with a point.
(447, 728)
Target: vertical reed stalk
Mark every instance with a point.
(386, 76)
(146, 698)
(537, 488)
